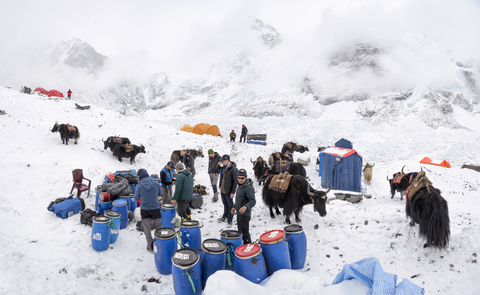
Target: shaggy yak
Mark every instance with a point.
(177, 155)
(426, 207)
(399, 183)
(67, 131)
(113, 141)
(367, 172)
(298, 194)
(121, 151)
(260, 169)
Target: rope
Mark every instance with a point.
(110, 223)
(179, 239)
(190, 279)
(229, 250)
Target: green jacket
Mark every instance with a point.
(245, 197)
(183, 186)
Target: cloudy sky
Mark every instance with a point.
(188, 36)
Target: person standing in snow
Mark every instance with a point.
(189, 162)
(148, 190)
(244, 202)
(166, 177)
(69, 92)
(233, 136)
(213, 171)
(228, 186)
(183, 192)
(244, 133)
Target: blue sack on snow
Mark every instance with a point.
(68, 207)
(370, 272)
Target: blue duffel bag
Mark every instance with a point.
(67, 207)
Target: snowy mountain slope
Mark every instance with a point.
(45, 254)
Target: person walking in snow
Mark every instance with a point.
(213, 171)
(244, 133)
(233, 136)
(183, 192)
(166, 177)
(69, 92)
(228, 186)
(148, 191)
(244, 202)
(189, 162)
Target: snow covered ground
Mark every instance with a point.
(43, 254)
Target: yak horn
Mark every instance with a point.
(421, 168)
(329, 187)
(309, 192)
(373, 165)
(387, 178)
(251, 160)
(402, 169)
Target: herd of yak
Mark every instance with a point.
(424, 203)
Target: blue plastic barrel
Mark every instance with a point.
(104, 206)
(100, 233)
(128, 199)
(168, 215)
(275, 251)
(115, 218)
(213, 258)
(120, 206)
(297, 245)
(155, 177)
(190, 235)
(250, 264)
(186, 272)
(232, 239)
(164, 246)
(133, 203)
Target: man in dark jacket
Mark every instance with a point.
(166, 177)
(189, 162)
(213, 171)
(183, 192)
(148, 190)
(228, 186)
(244, 202)
(244, 133)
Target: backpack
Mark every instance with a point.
(87, 215)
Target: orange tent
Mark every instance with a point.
(186, 128)
(200, 128)
(214, 131)
(441, 163)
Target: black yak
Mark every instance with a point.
(260, 169)
(429, 209)
(120, 151)
(177, 155)
(399, 182)
(113, 141)
(298, 194)
(67, 131)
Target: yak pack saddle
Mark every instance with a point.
(420, 182)
(280, 182)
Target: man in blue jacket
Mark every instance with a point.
(166, 177)
(148, 191)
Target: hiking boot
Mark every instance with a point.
(189, 217)
(222, 219)
(230, 224)
(150, 248)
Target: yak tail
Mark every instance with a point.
(270, 161)
(435, 225)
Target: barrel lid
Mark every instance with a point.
(101, 219)
(191, 223)
(119, 202)
(99, 187)
(294, 228)
(111, 213)
(185, 257)
(272, 236)
(231, 234)
(107, 202)
(154, 175)
(124, 196)
(165, 233)
(247, 250)
(214, 246)
(168, 206)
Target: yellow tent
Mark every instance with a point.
(186, 128)
(200, 128)
(214, 131)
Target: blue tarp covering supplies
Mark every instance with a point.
(342, 168)
(343, 143)
(370, 272)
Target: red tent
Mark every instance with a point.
(55, 93)
(41, 90)
(441, 163)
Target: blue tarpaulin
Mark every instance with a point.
(342, 168)
(343, 143)
(370, 272)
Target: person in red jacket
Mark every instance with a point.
(69, 92)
